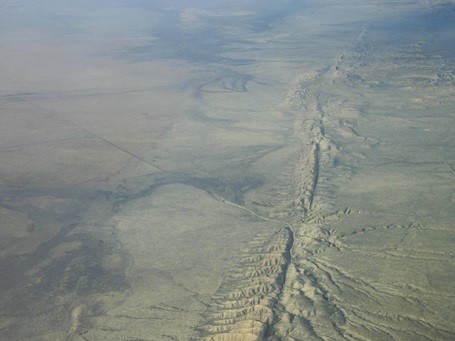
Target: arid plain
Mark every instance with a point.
(255, 170)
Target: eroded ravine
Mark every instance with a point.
(257, 295)
(286, 283)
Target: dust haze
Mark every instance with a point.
(229, 170)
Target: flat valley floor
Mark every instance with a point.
(256, 170)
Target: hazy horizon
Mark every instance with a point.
(229, 170)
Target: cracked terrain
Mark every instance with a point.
(236, 171)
